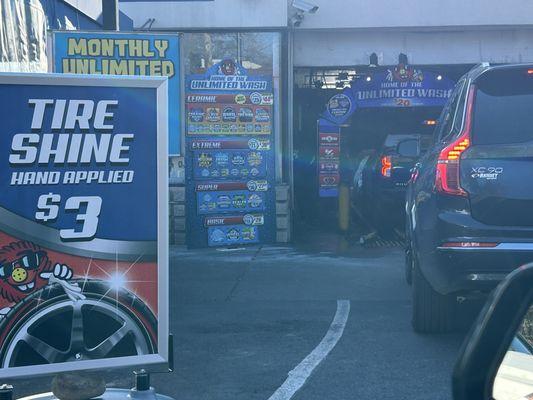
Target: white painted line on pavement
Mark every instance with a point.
(298, 376)
(230, 249)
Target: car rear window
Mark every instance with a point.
(391, 141)
(503, 111)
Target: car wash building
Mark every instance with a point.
(281, 97)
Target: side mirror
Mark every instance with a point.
(496, 361)
(408, 148)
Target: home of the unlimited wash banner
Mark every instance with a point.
(399, 86)
(125, 54)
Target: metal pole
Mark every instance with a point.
(239, 55)
(110, 13)
(290, 114)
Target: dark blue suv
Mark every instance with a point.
(470, 199)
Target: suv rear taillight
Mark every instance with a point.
(447, 180)
(448, 166)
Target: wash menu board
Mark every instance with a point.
(230, 157)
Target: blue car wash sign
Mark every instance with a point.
(230, 157)
(83, 223)
(399, 86)
(125, 54)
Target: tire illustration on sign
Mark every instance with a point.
(55, 318)
(49, 327)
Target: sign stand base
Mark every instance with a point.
(141, 391)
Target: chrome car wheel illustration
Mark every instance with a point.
(50, 328)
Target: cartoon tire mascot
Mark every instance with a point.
(26, 268)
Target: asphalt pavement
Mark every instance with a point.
(244, 318)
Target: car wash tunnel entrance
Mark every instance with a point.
(358, 132)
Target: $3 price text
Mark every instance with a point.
(88, 211)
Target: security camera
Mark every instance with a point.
(305, 6)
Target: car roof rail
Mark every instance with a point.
(481, 65)
(478, 69)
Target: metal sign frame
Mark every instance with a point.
(160, 359)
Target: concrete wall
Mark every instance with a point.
(428, 31)
(345, 32)
(339, 14)
(334, 48)
(345, 14)
(219, 14)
